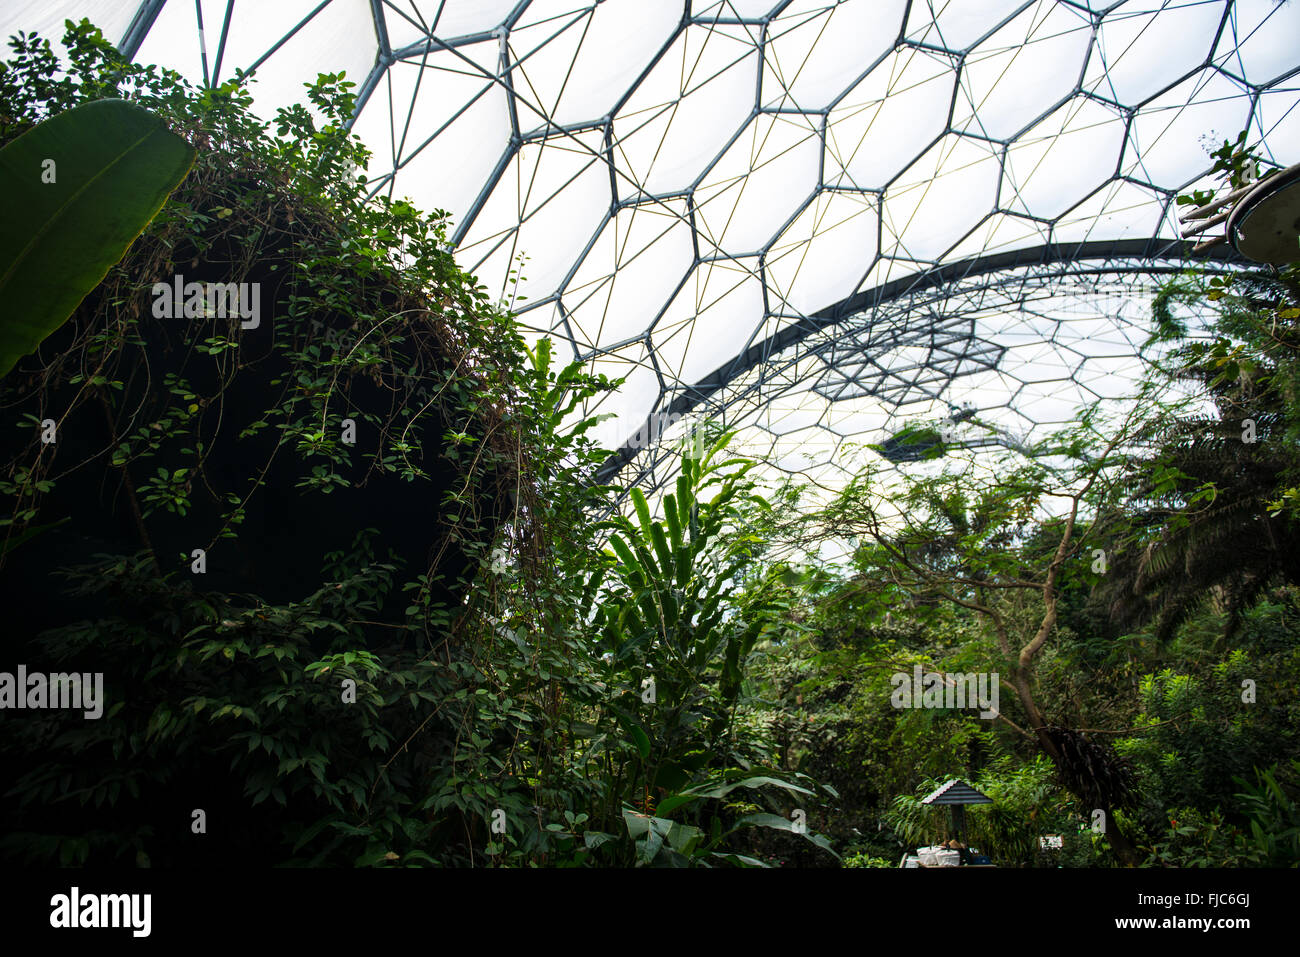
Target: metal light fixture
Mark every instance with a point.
(1261, 219)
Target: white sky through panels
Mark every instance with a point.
(737, 203)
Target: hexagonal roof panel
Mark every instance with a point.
(810, 219)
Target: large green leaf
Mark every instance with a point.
(634, 572)
(778, 823)
(754, 781)
(674, 801)
(114, 165)
(27, 534)
(650, 833)
(636, 733)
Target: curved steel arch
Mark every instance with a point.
(1118, 259)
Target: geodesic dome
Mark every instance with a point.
(809, 220)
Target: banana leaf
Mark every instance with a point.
(79, 188)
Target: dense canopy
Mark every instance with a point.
(312, 500)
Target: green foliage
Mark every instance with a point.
(604, 676)
(1212, 500)
(234, 702)
(866, 860)
(1273, 814)
(367, 298)
(114, 164)
(676, 632)
(1264, 831)
(1236, 164)
(197, 673)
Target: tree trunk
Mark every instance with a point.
(1124, 850)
